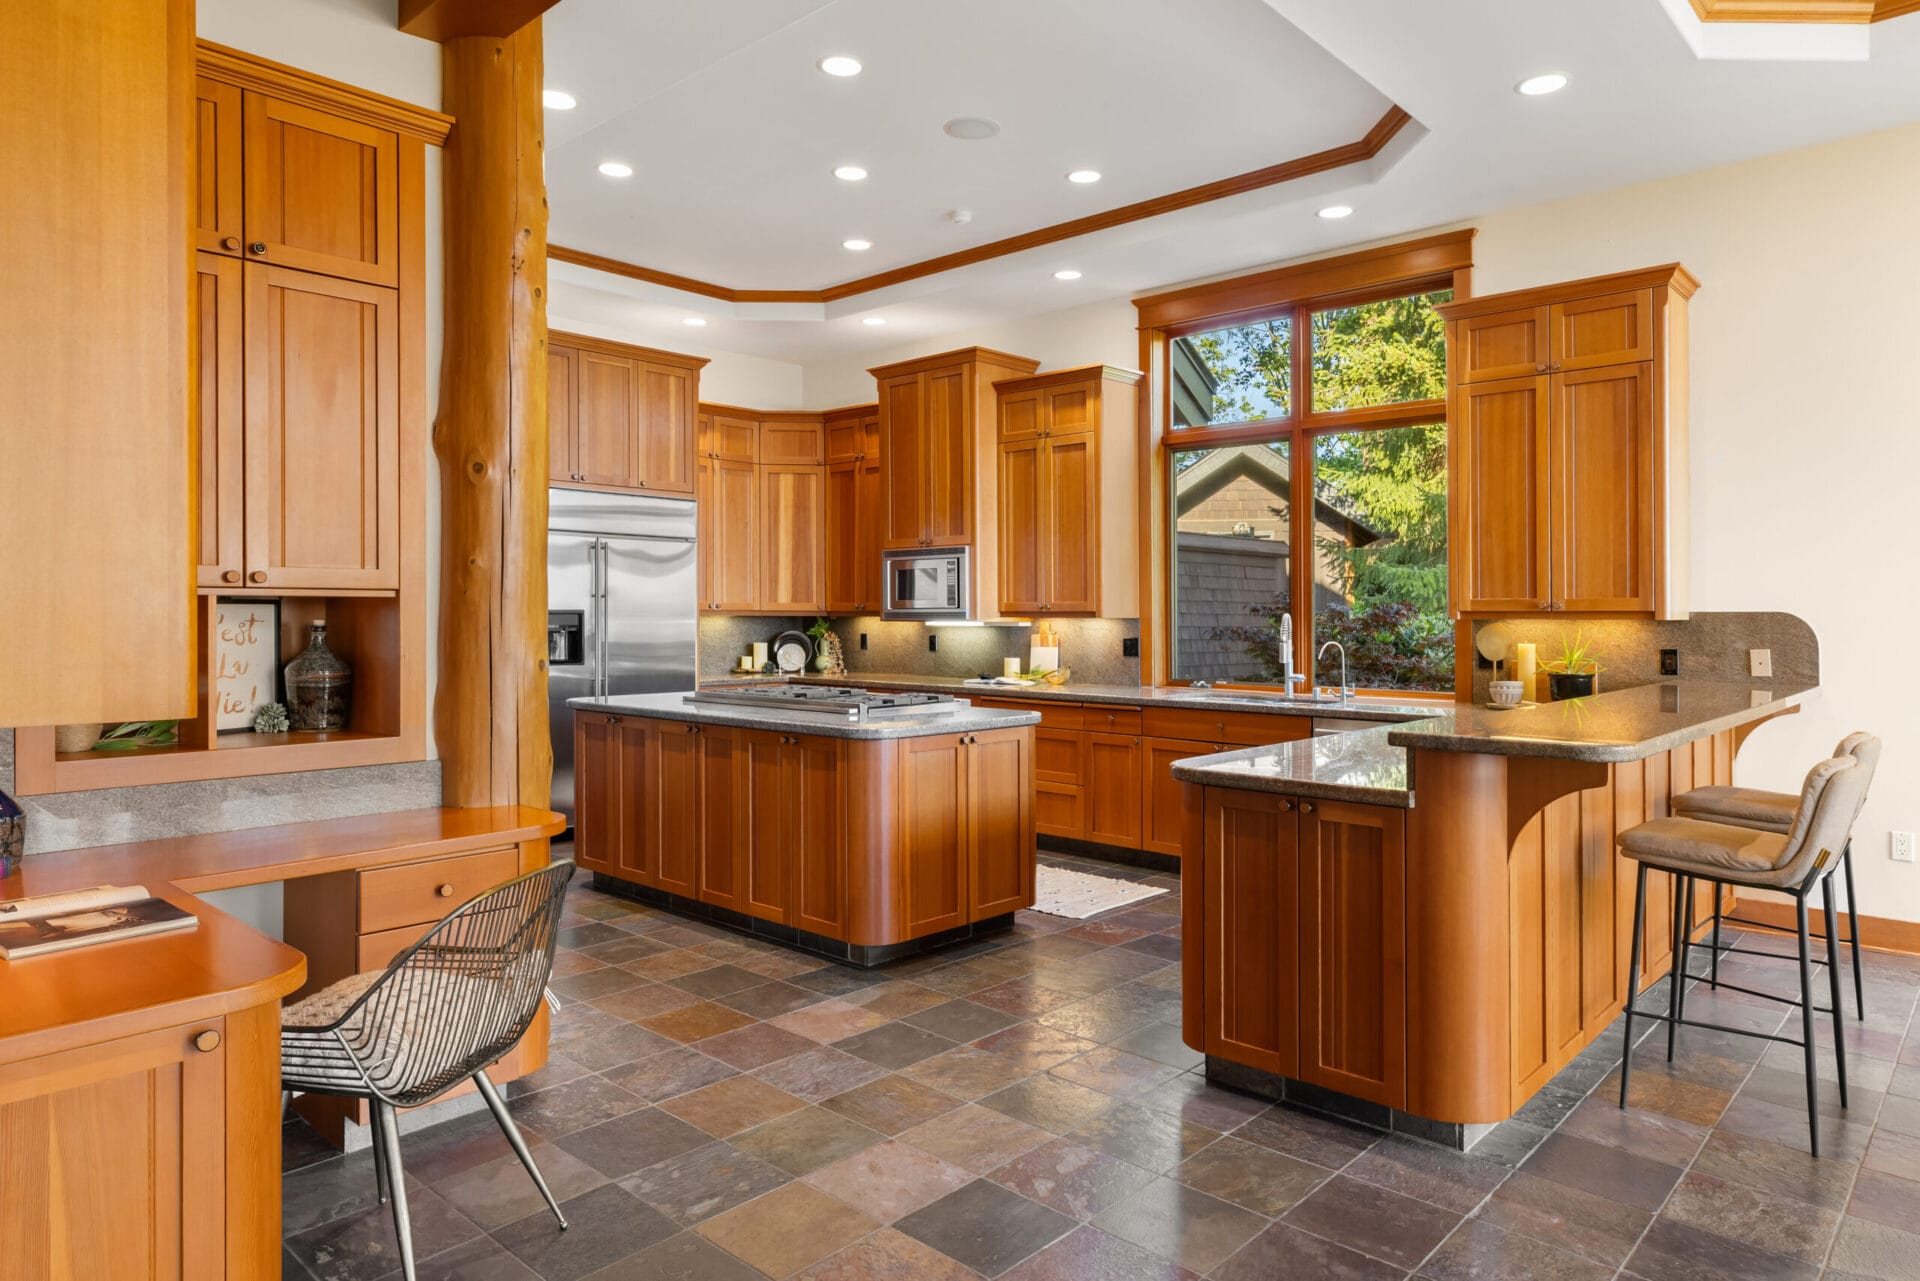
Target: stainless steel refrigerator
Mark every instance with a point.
(621, 607)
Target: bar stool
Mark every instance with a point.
(1793, 862)
(1766, 811)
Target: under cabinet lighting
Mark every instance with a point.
(1541, 85)
(558, 100)
(850, 173)
(839, 64)
(616, 169)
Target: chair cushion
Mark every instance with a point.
(1741, 806)
(318, 1009)
(1690, 845)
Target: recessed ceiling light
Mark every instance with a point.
(616, 169)
(850, 173)
(556, 100)
(857, 245)
(1084, 176)
(1066, 273)
(839, 64)
(874, 320)
(694, 321)
(1332, 212)
(970, 128)
(1538, 86)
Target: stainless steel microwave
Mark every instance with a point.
(928, 583)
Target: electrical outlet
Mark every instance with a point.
(1900, 847)
(863, 640)
(1130, 647)
(1760, 662)
(933, 643)
(1669, 662)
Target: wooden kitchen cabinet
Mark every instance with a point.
(626, 418)
(562, 386)
(1352, 941)
(1568, 469)
(322, 432)
(321, 192)
(665, 398)
(219, 208)
(1113, 789)
(1250, 883)
(721, 851)
(596, 790)
(853, 503)
(1067, 473)
(766, 499)
(1000, 823)
(1162, 818)
(796, 833)
(933, 840)
(792, 532)
(605, 444)
(221, 409)
(659, 775)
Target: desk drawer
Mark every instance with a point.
(376, 950)
(1241, 729)
(421, 893)
(1059, 716)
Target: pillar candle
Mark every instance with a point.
(1526, 669)
(1009, 667)
(759, 655)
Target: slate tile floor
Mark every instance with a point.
(721, 1110)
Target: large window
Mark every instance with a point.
(1353, 418)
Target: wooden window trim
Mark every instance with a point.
(1366, 276)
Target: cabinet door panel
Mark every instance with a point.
(1059, 809)
(605, 420)
(596, 791)
(722, 873)
(933, 833)
(771, 816)
(1603, 490)
(222, 417)
(794, 444)
(1510, 344)
(736, 439)
(322, 432)
(1353, 981)
(1613, 329)
(867, 527)
(665, 429)
(949, 456)
(673, 833)
(792, 532)
(1162, 821)
(321, 192)
(1071, 536)
(637, 776)
(1024, 528)
(1113, 789)
(1501, 475)
(820, 837)
(1059, 755)
(841, 543)
(218, 202)
(1000, 850)
(1251, 902)
(905, 463)
(1020, 416)
(732, 545)
(562, 362)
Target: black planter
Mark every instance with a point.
(1570, 685)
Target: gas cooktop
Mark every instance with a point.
(834, 702)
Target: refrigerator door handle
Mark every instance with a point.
(600, 564)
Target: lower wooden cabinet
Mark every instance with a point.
(1113, 789)
(646, 792)
(1000, 828)
(596, 790)
(1303, 955)
(933, 851)
(794, 816)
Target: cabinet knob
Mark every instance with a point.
(444, 890)
(229, 242)
(257, 247)
(257, 576)
(1546, 604)
(231, 576)
(207, 1042)
(1306, 807)
(1286, 807)
(1540, 368)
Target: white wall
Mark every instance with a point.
(1806, 426)
(1102, 332)
(356, 42)
(729, 378)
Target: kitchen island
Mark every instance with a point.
(859, 839)
(1417, 925)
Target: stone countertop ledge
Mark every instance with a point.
(675, 707)
(1357, 766)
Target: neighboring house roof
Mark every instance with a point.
(1219, 467)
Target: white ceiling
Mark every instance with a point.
(732, 134)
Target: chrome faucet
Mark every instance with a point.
(1287, 677)
(1346, 690)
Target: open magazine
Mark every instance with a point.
(77, 918)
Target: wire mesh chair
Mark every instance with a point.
(444, 1011)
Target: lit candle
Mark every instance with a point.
(1526, 669)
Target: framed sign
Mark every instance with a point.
(246, 661)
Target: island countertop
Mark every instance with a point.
(1356, 766)
(675, 707)
(1624, 725)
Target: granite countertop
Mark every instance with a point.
(1357, 709)
(1356, 766)
(1625, 725)
(674, 707)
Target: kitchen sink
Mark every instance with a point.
(1233, 696)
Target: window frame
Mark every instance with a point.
(1369, 276)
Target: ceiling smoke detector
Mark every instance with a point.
(970, 128)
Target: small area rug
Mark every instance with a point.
(1059, 892)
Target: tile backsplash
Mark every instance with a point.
(1711, 646)
(1090, 646)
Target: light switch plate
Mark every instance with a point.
(1760, 662)
(1900, 847)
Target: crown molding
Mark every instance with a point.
(1803, 11)
(289, 84)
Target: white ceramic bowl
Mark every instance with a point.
(1505, 693)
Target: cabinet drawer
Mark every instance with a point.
(1059, 809)
(1059, 755)
(421, 893)
(1065, 716)
(1242, 729)
(1112, 720)
(375, 951)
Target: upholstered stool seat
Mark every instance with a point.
(1745, 806)
(1794, 860)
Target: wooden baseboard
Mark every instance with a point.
(1877, 933)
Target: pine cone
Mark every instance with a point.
(270, 718)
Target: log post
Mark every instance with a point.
(490, 710)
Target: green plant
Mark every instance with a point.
(1576, 658)
(820, 628)
(128, 735)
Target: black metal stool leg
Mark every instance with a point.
(1673, 963)
(1718, 900)
(1806, 1024)
(1683, 964)
(377, 1123)
(397, 1178)
(1833, 983)
(1853, 931)
(1633, 977)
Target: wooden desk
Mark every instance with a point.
(140, 1080)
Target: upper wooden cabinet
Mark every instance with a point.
(221, 422)
(1568, 466)
(1068, 478)
(792, 528)
(320, 191)
(219, 215)
(764, 497)
(852, 549)
(621, 417)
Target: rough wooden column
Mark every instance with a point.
(490, 711)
